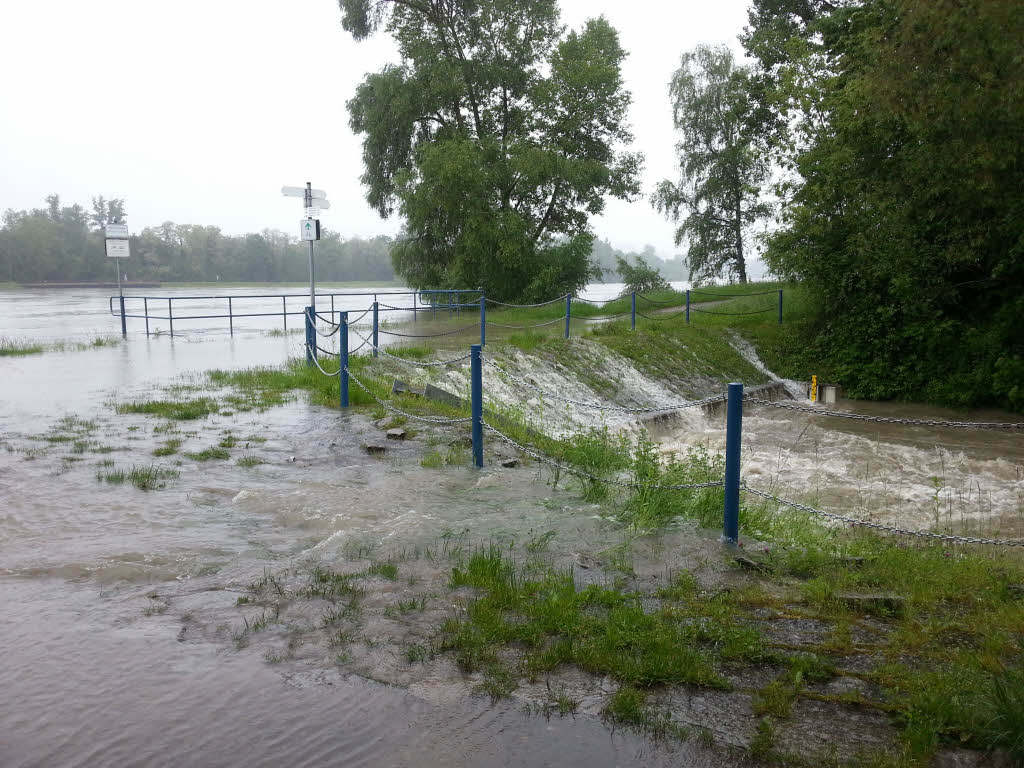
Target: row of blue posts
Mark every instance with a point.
(733, 417)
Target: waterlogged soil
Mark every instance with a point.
(177, 625)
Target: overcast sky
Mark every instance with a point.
(198, 111)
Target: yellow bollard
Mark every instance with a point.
(814, 389)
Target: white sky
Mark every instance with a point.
(198, 111)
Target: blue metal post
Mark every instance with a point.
(414, 307)
(477, 389)
(733, 440)
(568, 313)
(780, 306)
(632, 317)
(374, 328)
(687, 306)
(308, 314)
(231, 319)
(145, 309)
(170, 316)
(124, 328)
(343, 358)
(449, 305)
(483, 319)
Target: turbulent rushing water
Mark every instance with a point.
(94, 671)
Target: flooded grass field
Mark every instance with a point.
(192, 580)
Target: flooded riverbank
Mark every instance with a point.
(145, 630)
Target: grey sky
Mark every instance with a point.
(198, 111)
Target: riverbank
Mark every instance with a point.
(276, 537)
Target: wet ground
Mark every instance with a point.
(127, 642)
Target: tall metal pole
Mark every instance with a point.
(120, 293)
(312, 285)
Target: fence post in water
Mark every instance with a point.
(733, 439)
(632, 317)
(477, 389)
(780, 306)
(414, 306)
(284, 313)
(483, 319)
(145, 310)
(343, 357)
(375, 305)
(310, 334)
(568, 313)
(687, 306)
(170, 315)
(231, 319)
(124, 328)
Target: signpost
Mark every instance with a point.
(309, 230)
(117, 248)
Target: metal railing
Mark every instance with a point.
(163, 307)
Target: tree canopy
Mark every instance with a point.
(65, 243)
(718, 198)
(496, 137)
(902, 122)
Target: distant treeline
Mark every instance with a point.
(65, 243)
(61, 243)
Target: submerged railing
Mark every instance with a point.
(163, 307)
(424, 301)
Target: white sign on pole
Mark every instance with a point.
(312, 213)
(309, 229)
(321, 202)
(301, 192)
(117, 249)
(116, 231)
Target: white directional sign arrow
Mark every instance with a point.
(301, 192)
(320, 202)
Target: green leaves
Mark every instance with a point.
(718, 196)
(907, 132)
(496, 140)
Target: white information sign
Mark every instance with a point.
(309, 229)
(116, 231)
(117, 249)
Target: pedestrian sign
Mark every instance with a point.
(309, 229)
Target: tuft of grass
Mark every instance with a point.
(144, 478)
(169, 448)
(15, 348)
(384, 570)
(209, 453)
(177, 410)
(228, 442)
(250, 460)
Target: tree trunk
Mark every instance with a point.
(741, 264)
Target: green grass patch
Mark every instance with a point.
(176, 410)
(208, 454)
(169, 447)
(15, 348)
(250, 460)
(145, 478)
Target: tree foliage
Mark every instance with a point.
(718, 198)
(495, 138)
(903, 122)
(65, 243)
(639, 276)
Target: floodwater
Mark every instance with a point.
(97, 672)
(120, 604)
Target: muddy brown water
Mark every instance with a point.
(120, 618)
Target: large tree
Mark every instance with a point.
(907, 219)
(718, 198)
(495, 137)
